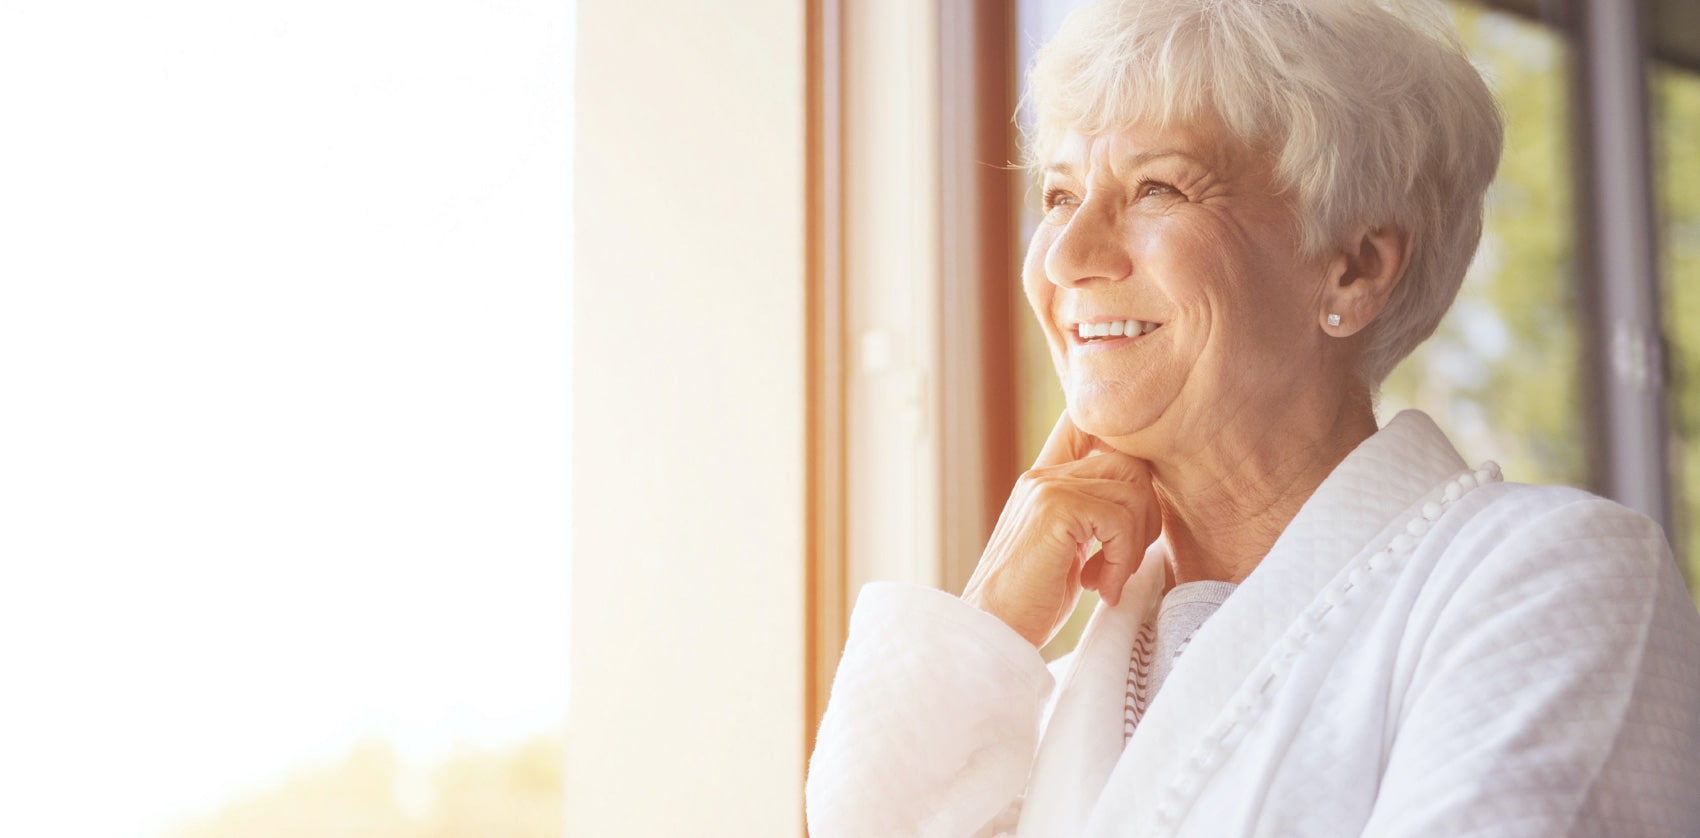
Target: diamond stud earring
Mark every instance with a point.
(1333, 319)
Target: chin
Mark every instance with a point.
(1109, 415)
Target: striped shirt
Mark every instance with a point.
(1163, 638)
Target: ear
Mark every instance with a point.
(1361, 278)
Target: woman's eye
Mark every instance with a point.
(1153, 187)
(1058, 198)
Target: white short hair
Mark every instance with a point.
(1371, 111)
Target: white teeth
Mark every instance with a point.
(1118, 328)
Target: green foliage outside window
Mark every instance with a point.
(1501, 375)
(1676, 138)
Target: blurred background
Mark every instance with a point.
(283, 417)
(332, 335)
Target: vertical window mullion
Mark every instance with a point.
(1624, 336)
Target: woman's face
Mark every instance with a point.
(1179, 230)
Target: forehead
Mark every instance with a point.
(1203, 142)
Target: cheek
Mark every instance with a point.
(1223, 270)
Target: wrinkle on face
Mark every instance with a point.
(1217, 263)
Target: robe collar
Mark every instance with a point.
(1372, 490)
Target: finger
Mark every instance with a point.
(1132, 494)
(1091, 570)
(1116, 527)
(1076, 578)
(1092, 566)
(1124, 554)
(1115, 561)
(1066, 444)
(1108, 466)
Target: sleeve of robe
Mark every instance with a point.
(1559, 693)
(932, 724)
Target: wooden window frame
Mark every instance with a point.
(979, 272)
(826, 572)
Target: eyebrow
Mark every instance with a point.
(1137, 160)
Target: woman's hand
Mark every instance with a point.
(1036, 563)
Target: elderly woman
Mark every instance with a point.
(1309, 625)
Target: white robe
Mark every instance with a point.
(1425, 651)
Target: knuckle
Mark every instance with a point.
(1046, 492)
(1030, 482)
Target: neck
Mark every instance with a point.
(1226, 502)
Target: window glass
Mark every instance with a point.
(1676, 175)
(1500, 374)
(285, 366)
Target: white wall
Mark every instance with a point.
(688, 393)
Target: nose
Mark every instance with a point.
(1089, 248)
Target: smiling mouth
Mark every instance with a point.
(1085, 333)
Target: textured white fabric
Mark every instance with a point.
(1419, 655)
